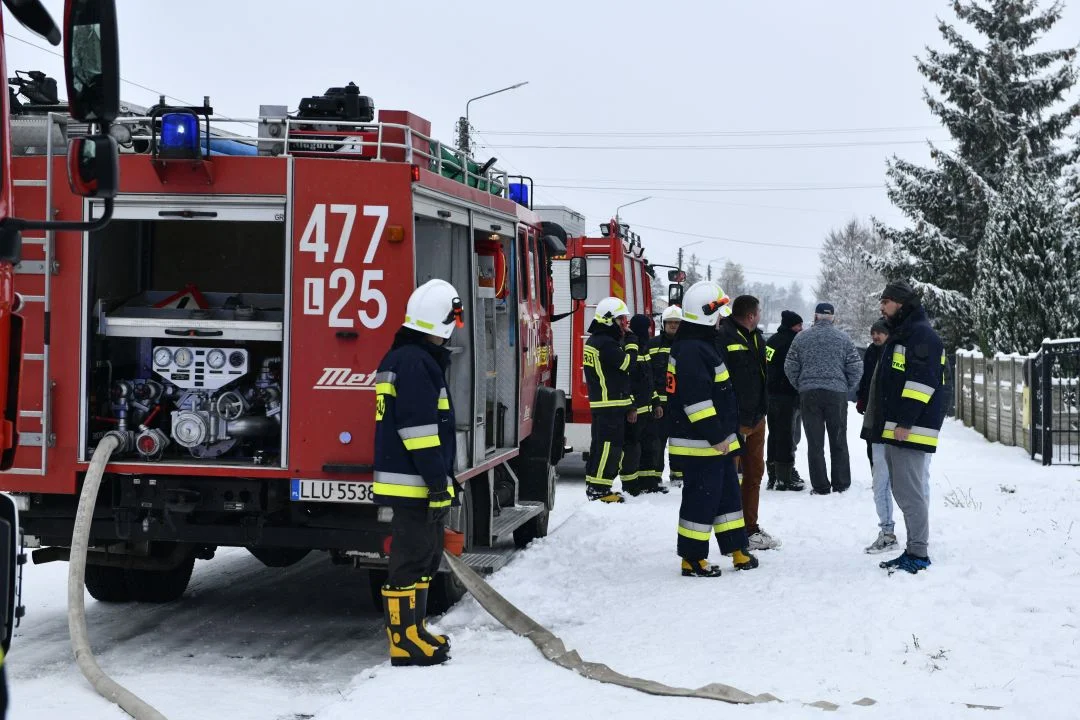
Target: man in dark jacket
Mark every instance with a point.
(783, 403)
(704, 420)
(907, 408)
(652, 457)
(825, 367)
(742, 347)
(636, 346)
(414, 465)
(611, 404)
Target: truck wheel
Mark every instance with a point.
(446, 589)
(161, 586)
(107, 584)
(538, 526)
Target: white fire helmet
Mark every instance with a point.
(671, 312)
(434, 308)
(704, 303)
(610, 308)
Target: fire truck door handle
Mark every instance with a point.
(347, 334)
(194, 332)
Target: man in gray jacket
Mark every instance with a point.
(825, 367)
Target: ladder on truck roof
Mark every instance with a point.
(33, 281)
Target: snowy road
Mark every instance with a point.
(250, 641)
(995, 621)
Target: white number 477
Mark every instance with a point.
(314, 238)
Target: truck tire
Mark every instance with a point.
(279, 557)
(161, 586)
(535, 528)
(107, 584)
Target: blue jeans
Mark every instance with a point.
(883, 498)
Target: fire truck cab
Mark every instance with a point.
(616, 266)
(227, 326)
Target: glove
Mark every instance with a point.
(438, 506)
(860, 406)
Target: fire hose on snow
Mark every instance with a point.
(554, 650)
(80, 644)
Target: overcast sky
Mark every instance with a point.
(837, 75)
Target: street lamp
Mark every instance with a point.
(635, 202)
(464, 130)
(708, 267)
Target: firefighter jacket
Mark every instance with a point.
(659, 353)
(701, 401)
(641, 382)
(414, 423)
(776, 350)
(907, 389)
(607, 369)
(743, 351)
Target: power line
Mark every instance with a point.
(711, 133)
(122, 79)
(793, 188)
(769, 146)
(815, 248)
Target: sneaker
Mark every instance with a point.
(762, 540)
(907, 562)
(699, 568)
(885, 541)
(743, 560)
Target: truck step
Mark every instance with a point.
(511, 518)
(485, 563)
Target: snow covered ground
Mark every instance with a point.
(995, 621)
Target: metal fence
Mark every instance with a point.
(1055, 427)
(1031, 401)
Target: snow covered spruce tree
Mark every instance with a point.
(990, 93)
(1028, 270)
(847, 281)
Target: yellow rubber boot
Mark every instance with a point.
(406, 645)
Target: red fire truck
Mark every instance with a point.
(616, 266)
(227, 324)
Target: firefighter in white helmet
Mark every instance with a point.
(704, 423)
(652, 453)
(606, 366)
(414, 465)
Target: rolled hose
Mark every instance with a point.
(80, 643)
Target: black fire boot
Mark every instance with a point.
(422, 587)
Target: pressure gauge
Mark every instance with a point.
(162, 357)
(183, 357)
(215, 359)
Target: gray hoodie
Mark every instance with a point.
(823, 357)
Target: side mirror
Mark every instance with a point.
(676, 276)
(93, 166)
(35, 18)
(92, 60)
(579, 279)
(674, 294)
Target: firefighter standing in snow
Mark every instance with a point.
(414, 464)
(606, 366)
(652, 457)
(704, 424)
(635, 478)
